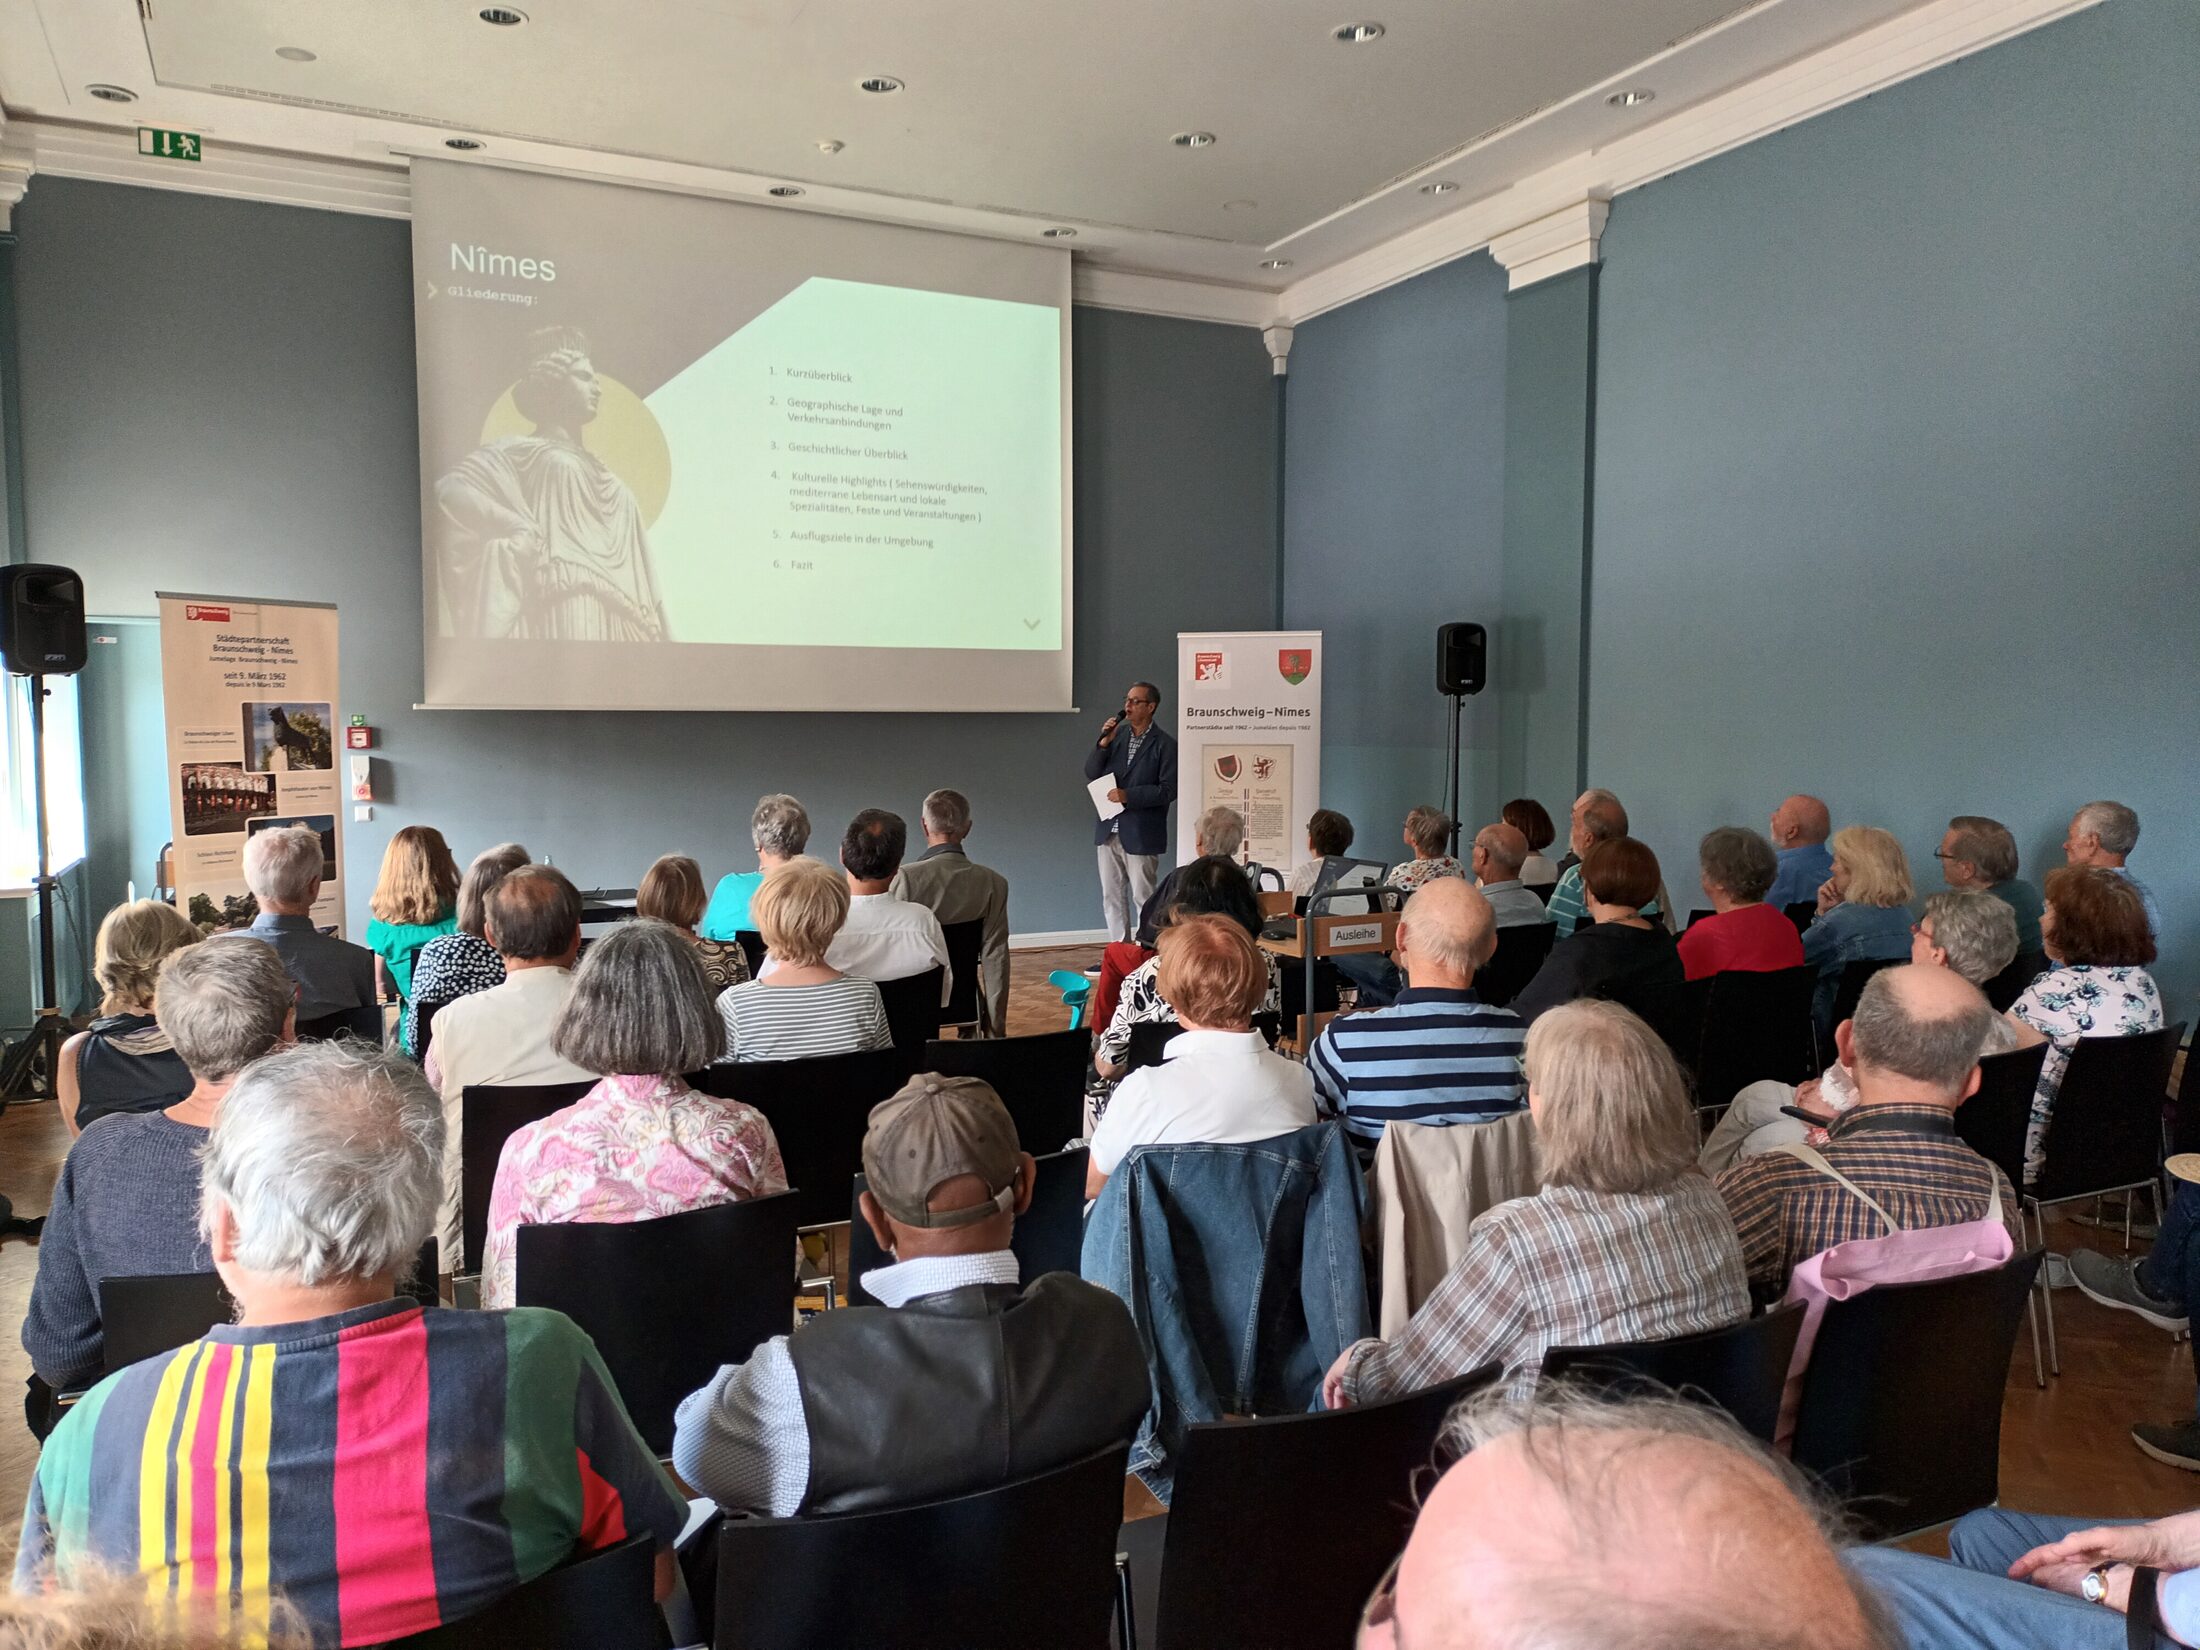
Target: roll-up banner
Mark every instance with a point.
(1250, 709)
(250, 690)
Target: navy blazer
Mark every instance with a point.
(1148, 786)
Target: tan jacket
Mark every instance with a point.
(944, 880)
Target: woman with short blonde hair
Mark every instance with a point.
(415, 900)
(801, 1007)
(1627, 1240)
(672, 891)
(1863, 913)
(124, 1061)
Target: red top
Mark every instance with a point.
(1753, 938)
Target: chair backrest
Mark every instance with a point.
(363, 1022)
(603, 1601)
(489, 1115)
(2005, 988)
(818, 1110)
(1901, 1409)
(752, 950)
(1697, 915)
(1740, 1369)
(1854, 977)
(1521, 950)
(2106, 1128)
(424, 1029)
(1341, 873)
(964, 941)
(1802, 913)
(912, 1011)
(1752, 1027)
(1049, 1236)
(1993, 1122)
(1242, 1563)
(1041, 1079)
(667, 1301)
(143, 1317)
(1028, 1564)
(2184, 1122)
(1149, 1043)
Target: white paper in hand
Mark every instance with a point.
(1099, 789)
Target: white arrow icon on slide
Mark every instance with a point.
(432, 289)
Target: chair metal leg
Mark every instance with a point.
(2047, 1298)
(2128, 1198)
(2039, 1370)
(1126, 1623)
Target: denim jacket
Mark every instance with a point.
(1850, 933)
(1241, 1267)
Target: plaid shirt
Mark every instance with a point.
(1567, 1267)
(1906, 1158)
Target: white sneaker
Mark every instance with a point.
(2058, 1273)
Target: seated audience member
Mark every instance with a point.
(2017, 1581)
(124, 1061)
(641, 1143)
(1974, 935)
(1219, 833)
(283, 870)
(1597, 817)
(2098, 942)
(672, 892)
(779, 830)
(1439, 1054)
(2160, 1286)
(1207, 886)
(1622, 956)
(948, 883)
(1499, 852)
(506, 1034)
(1218, 1081)
(321, 1177)
(2102, 835)
(882, 938)
(1979, 855)
(1742, 932)
(1529, 817)
(966, 1376)
(1627, 1241)
(1863, 911)
(461, 962)
(802, 1008)
(1800, 826)
(1328, 836)
(1428, 838)
(415, 900)
(127, 1202)
(1912, 1051)
(1577, 1521)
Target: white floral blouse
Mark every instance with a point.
(2073, 1000)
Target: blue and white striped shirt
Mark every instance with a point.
(1434, 1057)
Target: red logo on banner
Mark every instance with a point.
(1296, 663)
(1226, 768)
(1206, 667)
(216, 615)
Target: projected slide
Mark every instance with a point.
(684, 454)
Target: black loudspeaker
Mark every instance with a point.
(1462, 658)
(41, 620)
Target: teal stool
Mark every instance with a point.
(1076, 990)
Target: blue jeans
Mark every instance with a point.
(1971, 1604)
(2172, 1267)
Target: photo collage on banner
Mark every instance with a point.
(1251, 719)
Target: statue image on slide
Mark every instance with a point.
(541, 541)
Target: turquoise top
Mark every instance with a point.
(398, 944)
(728, 911)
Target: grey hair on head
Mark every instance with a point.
(1978, 932)
(223, 1003)
(1738, 860)
(490, 867)
(283, 864)
(329, 1158)
(1221, 831)
(780, 826)
(2116, 825)
(1891, 1034)
(640, 1006)
(1986, 845)
(947, 813)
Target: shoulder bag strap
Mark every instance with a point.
(1809, 1156)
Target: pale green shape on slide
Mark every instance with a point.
(977, 382)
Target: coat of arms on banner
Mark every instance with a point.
(1226, 768)
(1208, 668)
(1296, 663)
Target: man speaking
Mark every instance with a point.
(1142, 759)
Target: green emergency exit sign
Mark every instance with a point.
(168, 145)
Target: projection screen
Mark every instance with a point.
(686, 454)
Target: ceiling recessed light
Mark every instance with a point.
(1440, 187)
(1275, 263)
(112, 94)
(1194, 140)
(1240, 206)
(880, 84)
(294, 54)
(504, 17)
(830, 146)
(1059, 234)
(786, 191)
(1357, 34)
(1630, 100)
(462, 144)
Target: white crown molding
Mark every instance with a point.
(1567, 239)
(109, 155)
(1170, 295)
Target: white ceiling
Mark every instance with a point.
(1017, 114)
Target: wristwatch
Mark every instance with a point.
(2094, 1588)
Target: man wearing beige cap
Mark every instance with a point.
(963, 1379)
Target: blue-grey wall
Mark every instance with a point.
(1898, 463)
(1393, 524)
(219, 396)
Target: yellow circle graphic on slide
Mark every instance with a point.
(624, 433)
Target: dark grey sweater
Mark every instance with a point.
(126, 1205)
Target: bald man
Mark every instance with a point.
(1800, 826)
(1653, 1523)
(1439, 1054)
(1499, 852)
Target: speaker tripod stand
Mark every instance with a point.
(31, 1069)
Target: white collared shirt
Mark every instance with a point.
(1220, 1088)
(886, 938)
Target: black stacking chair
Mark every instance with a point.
(1802, 913)
(2006, 987)
(1040, 1079)
(1854, 977)
(1697, 915)
(1741, 1369)
(1028, 1566)
(752, 949)
(1901, 1409)
(424, 1028)
(143, 1317)
(818, 1110)
(1150, 1040)
(603, 1601)
(1521, 950)
(667, 1301)
(1049, 1236)
(964, 941)
(1237, 1561)
(1993, 1123)
(1753, 1027)
(489, 1115)
(912, 1012)
(2184, 1117)
(363, 1022)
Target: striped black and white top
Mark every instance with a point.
(1433, 1057)
(802, 1022)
